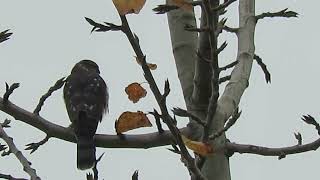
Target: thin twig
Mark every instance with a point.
(267, 151)
(310, 120)
(9, 91)
(282, 13)
(230, 29)
(264, 68)
(212, 20)
(228, 125)
(224, 79)
(95, 169)
(224, 5)
(160, 98)
(298, 137)
(9, 177)
(23, 160)
(5, 35)
(228, 66)
(222, 47)
(184, 113)
(56, 86)
(6, 123)
(34, 146)
(157, 117)
(135, 175)
(101, 27)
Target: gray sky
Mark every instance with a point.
(51, 36)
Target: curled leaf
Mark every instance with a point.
(128, 6)
(131, 120)
(197, 147)
(150, 65)
(135, 92)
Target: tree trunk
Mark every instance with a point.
(216, 167)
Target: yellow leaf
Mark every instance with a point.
(131, 120)
(197, 147)
(128, 6)
(135, 92)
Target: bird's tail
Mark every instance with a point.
(86, 153)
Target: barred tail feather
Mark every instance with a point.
(86, 153)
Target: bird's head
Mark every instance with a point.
(86, 65)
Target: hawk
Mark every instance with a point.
(86, 99)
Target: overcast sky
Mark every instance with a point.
(51, 36)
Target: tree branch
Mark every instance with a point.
(266, 151)
(145, 141)
(13, 149)
(5, 35)
(56, 86)
(283, 13)
(9, 177)
(9, 91)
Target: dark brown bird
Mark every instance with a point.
(86, 98)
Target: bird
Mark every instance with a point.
(86, 98)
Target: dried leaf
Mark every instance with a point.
(128, 6)
(135, 92)
(183, 4)
(150, 65)
(197, 147)
(131, 120)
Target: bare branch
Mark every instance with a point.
(298, 137)
(6, 123)
(157, 118)
(94, 169)
(230, 29)
(101, 27)
(222, 47)
(9, 91)
(263, 66)
(310, 120)
(184, 113)
(212, 19)
(224, 5)
(34, 146)
(231, 65)
(266, 151)
(24, 162)
(9, 177)
(56, 86)
(228, 125)
(224, 79)
(164, 8)
(148, 140)
(135, 175)
(4, 35)
(282, 13)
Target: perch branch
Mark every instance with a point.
(148, 140)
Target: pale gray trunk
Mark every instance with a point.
(184, 45)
